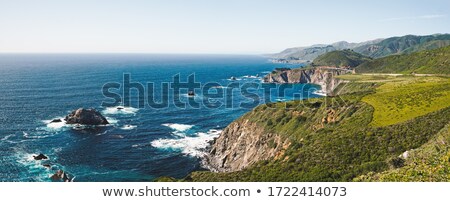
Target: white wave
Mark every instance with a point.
(128, 127)
(319, 92)
(28, 136)
(281, 99)
(33, 167)
(219, 87)
(251, 77)
(236, 79)
(193, 146)
(7, 137)
(56, 126)
(120, 110)
(178, 127)
(111, 121)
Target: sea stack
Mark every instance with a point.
(86, 117)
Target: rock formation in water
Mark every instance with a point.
(86, 117)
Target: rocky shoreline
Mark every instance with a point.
(242, 143)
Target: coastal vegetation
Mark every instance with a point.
(341, 58)
(423, 62)
(389, 125)
(335, 139)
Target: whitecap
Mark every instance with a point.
(178, 127)
(120, 110)
(193, 146)
(281, 99)
(7, 137)
(111, 121)
(56, 126)
(251, 77)
(34, 167)
(28, 136)
(128, 127)
(319, 92)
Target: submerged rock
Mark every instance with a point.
(40, 157)
(56, 121)
(59, 176)
(86, 117)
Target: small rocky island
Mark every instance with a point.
(86, 117)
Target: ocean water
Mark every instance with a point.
(139, 144)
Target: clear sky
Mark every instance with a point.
(208, 26)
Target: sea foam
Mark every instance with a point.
(120, 110)
(193, 146)
(179, 129)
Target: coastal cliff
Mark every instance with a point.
(325, 77)
(243, 143)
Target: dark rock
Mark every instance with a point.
(59, 176)
(56, 121)
(47, 165)
(119, 108)
(233, 78)
(191, 93)
(40, 157)
(86, 117)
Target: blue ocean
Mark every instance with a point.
(140, 143)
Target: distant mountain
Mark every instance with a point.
(422, 62)
(404, 44)
(341, 58)
(375, 48)
(309, 53)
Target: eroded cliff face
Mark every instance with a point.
(323, 76)
(242, 144)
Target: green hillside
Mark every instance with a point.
(424, 62)
(404, 44)
(333, 138)
(430, 162)
(342, 58)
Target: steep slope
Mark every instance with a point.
(424, 62)
(330, 139)
(430, 162)
(404, 44)
(342, 58)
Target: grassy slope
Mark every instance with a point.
(425, 62)
(395, 102)
(430, 162)
(340, 58)
(341, 148)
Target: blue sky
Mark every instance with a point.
(207, 26)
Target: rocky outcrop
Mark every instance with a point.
(325, 77)
(40, 157)
(242, 144)
(61, 176)
(86, 117)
